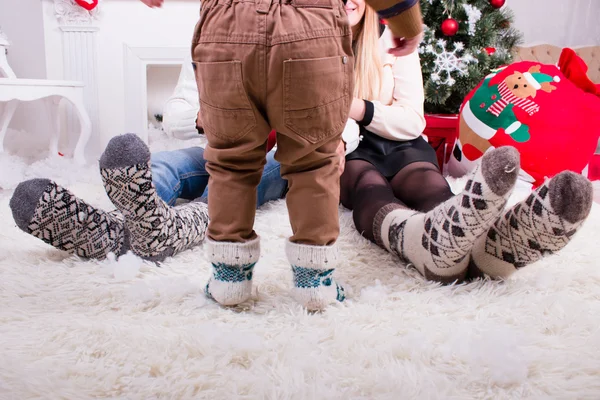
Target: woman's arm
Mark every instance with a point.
(404, 119)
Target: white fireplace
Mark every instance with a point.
(138, 61)
(160, 81)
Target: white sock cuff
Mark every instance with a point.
(233, 253)
(307, 256)
(402, 213)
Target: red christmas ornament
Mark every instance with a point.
(87, 4)
(490, 50)
(497, 3)
(449, 27)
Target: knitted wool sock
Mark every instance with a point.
(313, 267)
(59, 218)
(542, 224)
(437, 243)
(157, 231)
(233, 265)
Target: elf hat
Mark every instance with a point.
(537, 78)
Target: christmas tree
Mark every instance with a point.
(464, 40)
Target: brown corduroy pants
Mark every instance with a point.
(273, 64)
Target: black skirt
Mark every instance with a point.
(390, 156)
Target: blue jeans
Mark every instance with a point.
(182, 174)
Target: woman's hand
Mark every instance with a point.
(153, 3)
(403, 47)
(357, 109)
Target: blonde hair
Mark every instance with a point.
(367, 64)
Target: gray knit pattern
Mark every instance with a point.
(157, 230)
(540, 225)
(68, 223)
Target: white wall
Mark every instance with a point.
(23, 23)
(564, 23)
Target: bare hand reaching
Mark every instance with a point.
(404, 47)
(153, 3)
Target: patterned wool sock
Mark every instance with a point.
(59, 218)
(437, 243)
(233, 265)
(313, 267)
(157, 231)
(542, 224)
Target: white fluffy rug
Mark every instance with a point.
(74, 329)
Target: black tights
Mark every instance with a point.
(419, 186)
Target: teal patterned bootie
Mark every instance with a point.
(313, 268)
(232, 267)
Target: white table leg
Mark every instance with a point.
(9, 111)
(52, 108)
(86, 130)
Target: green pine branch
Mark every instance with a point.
(493, 30)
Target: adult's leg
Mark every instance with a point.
(438, 242)
(421, 186)
(53, 214)
(56, 216)
(271, 187)
(366, 191)
(156, 230)
(540, 225)
(179, 174)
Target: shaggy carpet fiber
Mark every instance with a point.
(127, 329)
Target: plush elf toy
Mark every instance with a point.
(493, 105)
(552, 121)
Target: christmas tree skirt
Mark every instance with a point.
(127, 329)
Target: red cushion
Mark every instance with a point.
(553, 122)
